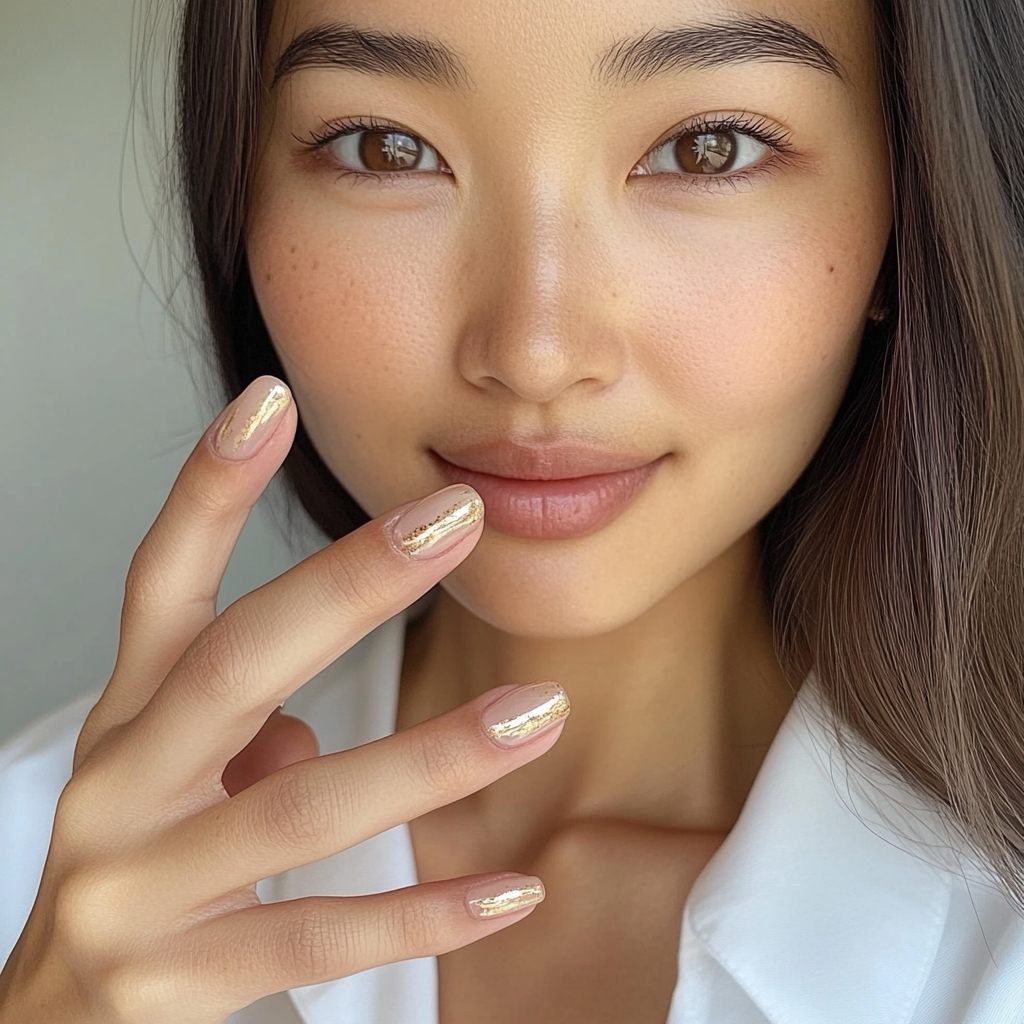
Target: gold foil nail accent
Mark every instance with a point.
(546, 713)
(508, 901)
(276, 401)
(459, 516)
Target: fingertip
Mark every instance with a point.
(525, 714)
(440, 523)
(504, 896)
(248, 423)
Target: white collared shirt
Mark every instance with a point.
(837, 898)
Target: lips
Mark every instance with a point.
(549, 492)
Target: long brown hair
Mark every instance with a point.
(895, 566)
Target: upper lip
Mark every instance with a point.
(565, 460)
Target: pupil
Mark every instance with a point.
(388, 151)
(706, 152)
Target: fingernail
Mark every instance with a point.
(250, 419)
(439, 522)
(504, 896)
(522, 713)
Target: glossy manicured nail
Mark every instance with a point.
(436, 524)
(250, 420)
(521, 714)
(504, 896)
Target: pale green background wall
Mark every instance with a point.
(97, 408)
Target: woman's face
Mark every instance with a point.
(634, 243)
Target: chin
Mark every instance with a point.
(549, 591)
(537, 615)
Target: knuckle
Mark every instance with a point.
(292, 817)
(317, 943)
(89, 912)
(406, 928)
(440, 764)
(217, 662)
(79, 816)
(73, 804)
(90, 736)
(144, 585)
(206, 503)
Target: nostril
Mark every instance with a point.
(537, 366)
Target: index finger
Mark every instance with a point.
(262, 648)
(175, 575)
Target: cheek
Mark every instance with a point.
(336, 296)
(353, 310)
(749, 328)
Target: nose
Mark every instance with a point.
(542, 320)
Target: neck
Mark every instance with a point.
(672, 713)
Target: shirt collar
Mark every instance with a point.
(819, 904)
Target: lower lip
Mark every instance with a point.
(552, 509)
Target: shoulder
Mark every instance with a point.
(35, 765)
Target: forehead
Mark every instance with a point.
(544, 40)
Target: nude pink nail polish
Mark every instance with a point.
(504, 896)
(437, 523)
(523, 713)
(250, 420)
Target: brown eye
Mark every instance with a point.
(389, 151)
(706, 152)
(384, 151)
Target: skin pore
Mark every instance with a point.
(550, 272)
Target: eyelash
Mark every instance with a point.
(754, 126)
(775, 138)
(319, 141)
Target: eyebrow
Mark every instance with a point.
(639, 59)
(629, 61)
(379, 53)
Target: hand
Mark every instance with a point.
(189, 785)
